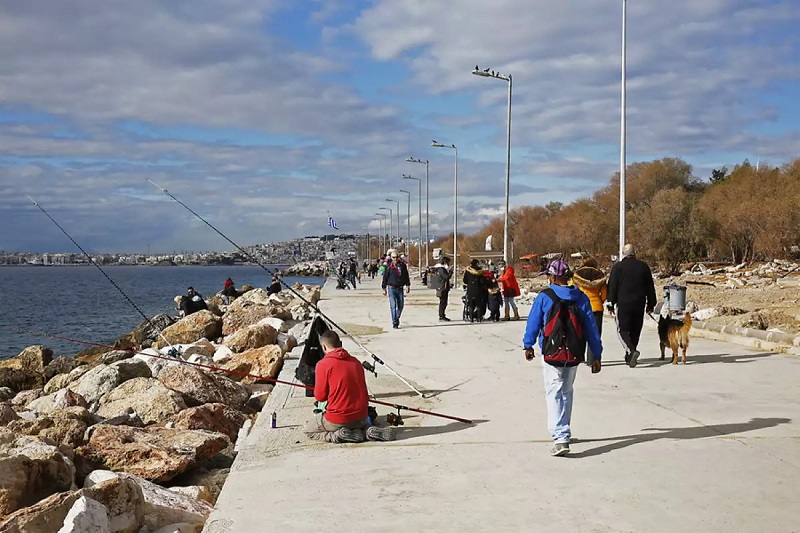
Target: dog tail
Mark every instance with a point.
(687, 322)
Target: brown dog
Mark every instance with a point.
(674, 334)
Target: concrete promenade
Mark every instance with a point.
(710, 446)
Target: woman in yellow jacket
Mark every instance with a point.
(593, 283)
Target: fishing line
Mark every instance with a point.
(235, 372)
(313, 306)
(92, 262)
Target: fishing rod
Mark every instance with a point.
(290, 288)
(235, 372)
(93, 262)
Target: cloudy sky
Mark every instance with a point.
(265, 115)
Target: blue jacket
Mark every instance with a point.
(543, 304)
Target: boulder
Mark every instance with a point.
(25, 397)
(46, 516)
(86, 516)
(212, 417)
(265, 362)
(199, 386)
(197, 359)
(96, 382)
(125, 501)
(7, 414)
(58, 400)
(62, 380)
(132, 368)
(57, 430)
(202, 324)
(29, 471)
(20, 380)
(148, 397)
(145, 333)
(251, 337)
(223, 354)
(286, 342)
(213, 480)
(32, 359)
(161, 506)
(115, 355)
(201, 347)
(155, 360)
(197, 492)
(6, 394)
(156, 454)
(216, 304)
(281, 326)
(251, 309)
(75, 413)
(60, 365)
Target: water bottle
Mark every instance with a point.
(274, 420)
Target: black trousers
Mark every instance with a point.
(443, 303)
(629, 325)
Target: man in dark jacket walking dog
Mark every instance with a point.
(631, 292)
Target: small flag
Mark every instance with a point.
(332, 223)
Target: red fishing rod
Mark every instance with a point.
(229, 371)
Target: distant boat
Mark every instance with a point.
(36, 262)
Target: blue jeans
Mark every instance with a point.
(396, 302)
(558, 383)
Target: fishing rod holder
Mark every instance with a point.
(369, 367)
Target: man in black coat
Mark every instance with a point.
(631, 292)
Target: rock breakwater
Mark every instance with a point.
(148, 436)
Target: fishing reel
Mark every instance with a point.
(369, 367)
(395, 419)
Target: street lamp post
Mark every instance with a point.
(408, 224)
(455, 205)
(487, 73)
(398, 233)
(383, 231)
(391, 230)
(419, 246)
(427, 207)
(622, 135)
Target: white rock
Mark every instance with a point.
(195, 491)
(705, 314)
(86, 516)
(96, 382)
(244, 431)
(201, 347)
(223, 354)
(200, 359)
(276, 323)
(156, 364)
(286, 342)
(162, 506)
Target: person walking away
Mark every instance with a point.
(561, 320)
(351, 273)
(474, 281)
(510, 286)
(442, 269)
(592, 282)
(495, 300)
(341, 383)
(631, 292)
(395, 277)
(228, 291)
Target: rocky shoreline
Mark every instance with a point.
(307, 269)
(133, 439)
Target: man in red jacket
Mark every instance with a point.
(340, 382)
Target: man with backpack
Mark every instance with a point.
(561, 319)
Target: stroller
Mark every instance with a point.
(341, 282)
(471, 313)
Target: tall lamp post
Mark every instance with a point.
(622, 135)
(427, 207)
(487, 73)
(455, 205)
(383, 231)
(391, 232)
(419, 245)
(408, 224)
(398, 233)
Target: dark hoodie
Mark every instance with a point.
(340, 381)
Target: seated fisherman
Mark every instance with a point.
(275, 286)
(229, 291)
(192, 302)
(340, 382)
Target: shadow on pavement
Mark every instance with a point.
(694, 432)
(696, 359)
(427, 393)
(405, 433)
(458, 322)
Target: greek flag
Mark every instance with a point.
(332, 223)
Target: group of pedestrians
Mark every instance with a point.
(490, 289)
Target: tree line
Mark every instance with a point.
(673, 216)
